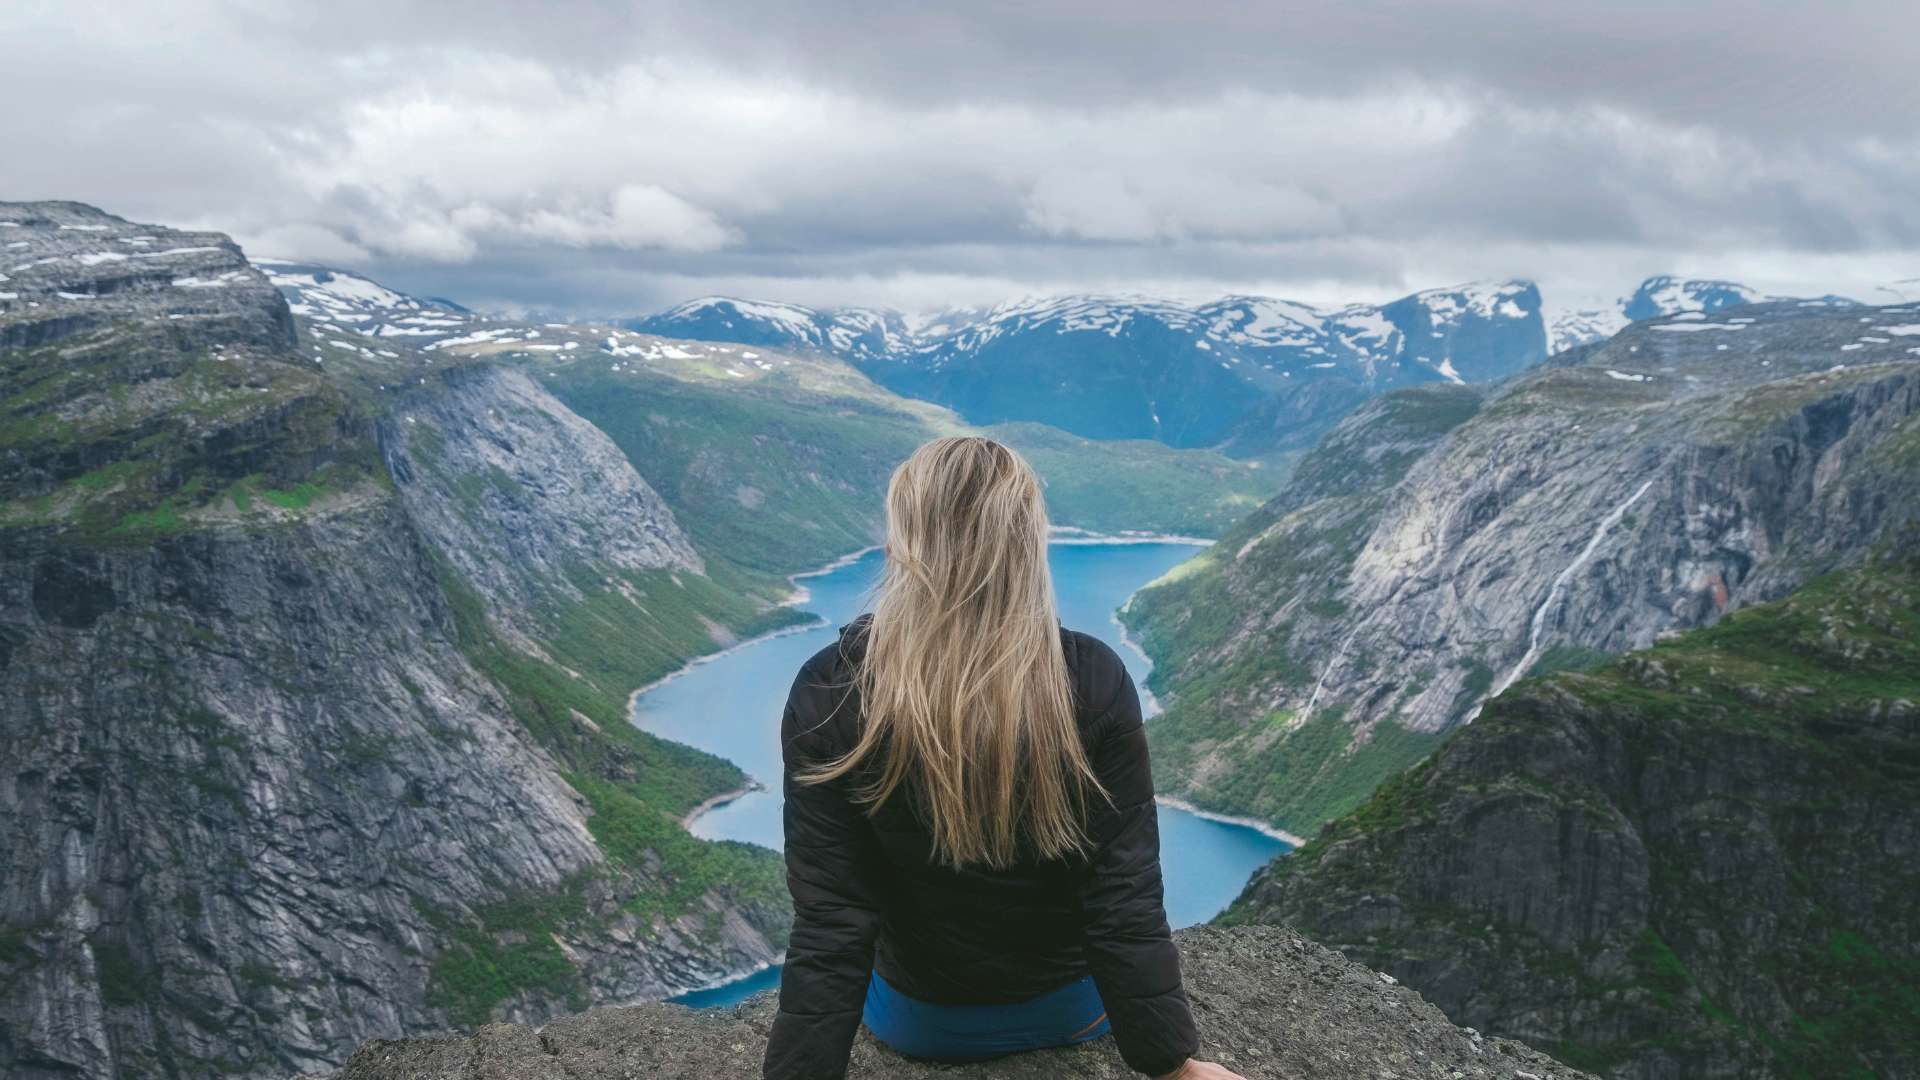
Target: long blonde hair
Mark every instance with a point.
(964, 682)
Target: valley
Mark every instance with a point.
(326, 607)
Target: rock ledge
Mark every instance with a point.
(1270, 1003)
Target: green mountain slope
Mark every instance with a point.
(1696, 860)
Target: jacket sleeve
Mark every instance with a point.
(836, 909)
(1128, 945)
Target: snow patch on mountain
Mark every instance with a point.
(1660, 296)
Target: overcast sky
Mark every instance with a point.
(610, 159)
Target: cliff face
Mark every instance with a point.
(285, 762)
(1270, 1005)
(518, 491)
(1698, 861)
(1430, 554)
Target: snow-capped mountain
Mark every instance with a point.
(1658, 297)
(338, 297)
(1246, 370)
(854, 333)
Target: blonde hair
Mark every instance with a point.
(964, 683)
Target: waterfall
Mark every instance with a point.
(1558, 591)
(1326, 671)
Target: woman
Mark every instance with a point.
(972, 844)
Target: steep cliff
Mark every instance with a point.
(1270, 1005)
(289, 758)
(1697, 861)
(1435, 549)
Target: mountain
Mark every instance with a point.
(1657, 297)
(300, 742)
(1247, 374)
(338, 296)
(1444, 542)
(852, 333)
(1694, 861)
(1332, 1029)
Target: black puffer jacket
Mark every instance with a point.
(867, 895)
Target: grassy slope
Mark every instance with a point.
(638, 786)
(1808, 680)
(786, 472)
(1194, 492)
(121, 437)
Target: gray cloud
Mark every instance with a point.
(611, 158)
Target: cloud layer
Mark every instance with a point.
(610, 159)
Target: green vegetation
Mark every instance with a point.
(124, 438)
(122, 980)
(504, 950)
(789, 475)
(1295, 777)
(299, 497)
(774, 480)
(1191, 492)
(638, 786)
(1758, 764)
(628, 829)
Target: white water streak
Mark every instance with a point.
(1326, 671)
(1558, 592)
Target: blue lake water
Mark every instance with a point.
(731, 706)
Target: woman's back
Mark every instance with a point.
(972, 844)
(979, 935)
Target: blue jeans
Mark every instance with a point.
(920, 1029)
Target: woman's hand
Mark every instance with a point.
(1201, 1070)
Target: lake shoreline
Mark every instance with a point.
(1068, 535)
(1255, 824)
(678, 712)
(795, 598)
(717, 801)
(779, 960)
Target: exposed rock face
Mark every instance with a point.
(234, 765)
(1699, 861)
(1270, 1004)
(66, 268)
(1430, 556)
(265, 789)
(517, 491)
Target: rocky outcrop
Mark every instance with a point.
(268, 784)
(1270, 1005)
(1698, 861)
(1687, 467)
